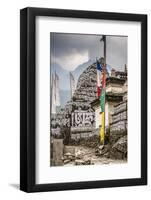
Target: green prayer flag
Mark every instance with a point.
(102, 100)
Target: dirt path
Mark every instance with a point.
(85, 154)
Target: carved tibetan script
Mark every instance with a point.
(82, 118)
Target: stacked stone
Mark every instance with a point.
(119, 149)
(119, 118)
(118, 132)
(84, 94)
(87, 84)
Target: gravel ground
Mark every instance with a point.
(83, 153)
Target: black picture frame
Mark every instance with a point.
(28, 98)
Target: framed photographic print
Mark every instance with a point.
(83, 99)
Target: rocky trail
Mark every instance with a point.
(81, 155)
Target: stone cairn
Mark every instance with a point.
(76, 120)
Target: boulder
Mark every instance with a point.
(102, 150)
(119, 149)
(83, 162)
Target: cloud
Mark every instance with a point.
(72, 60)
(71, 50)
(117, 52)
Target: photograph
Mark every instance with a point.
(83, 102)
(88, 99)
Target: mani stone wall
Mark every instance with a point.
(77, 113)
(86, 86)
(118, 126)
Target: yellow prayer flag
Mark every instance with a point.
(102, 130)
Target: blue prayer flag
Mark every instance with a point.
(99, 66)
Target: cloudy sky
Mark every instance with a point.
(71, 50)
